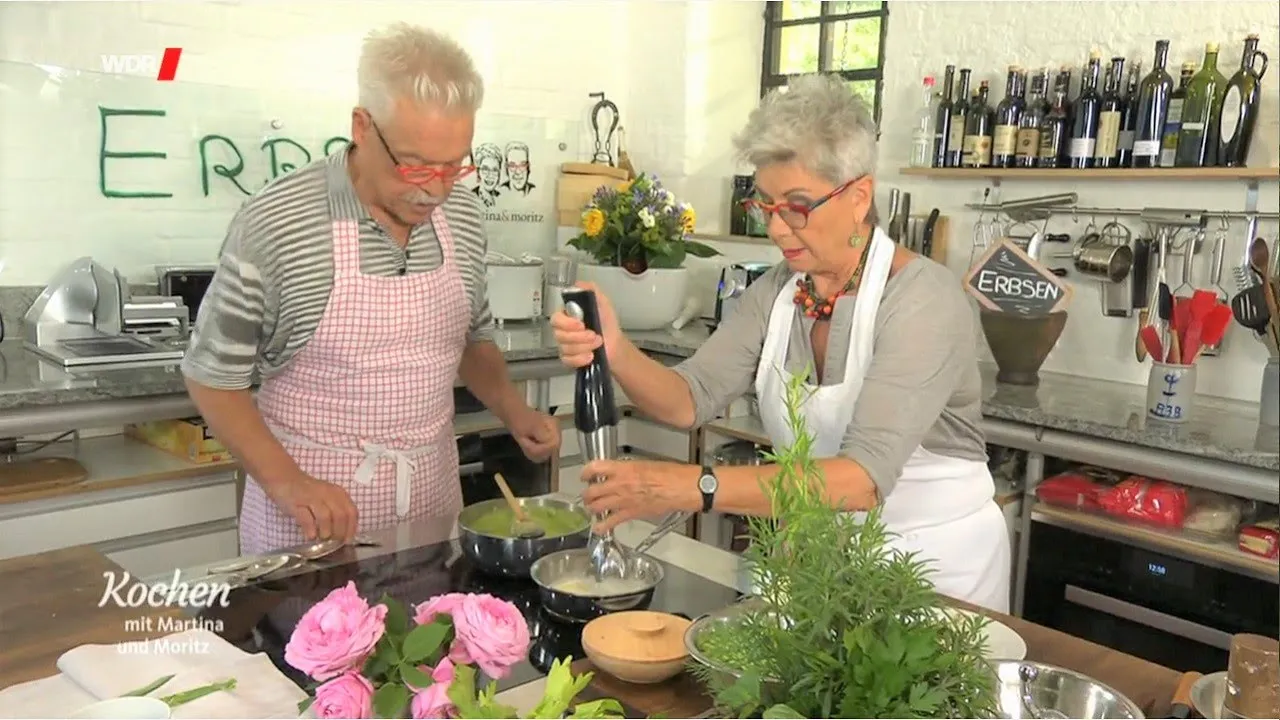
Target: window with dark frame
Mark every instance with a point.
(838, 38)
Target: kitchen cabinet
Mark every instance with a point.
(100, 518)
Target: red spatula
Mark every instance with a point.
(1151, 341)
(1214, 327)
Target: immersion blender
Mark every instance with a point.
(595, 415)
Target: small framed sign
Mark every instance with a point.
(1007, 279)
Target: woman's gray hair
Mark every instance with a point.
(419, 65)
(817, 122)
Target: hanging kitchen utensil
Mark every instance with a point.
(1188, 266)
(604, 143)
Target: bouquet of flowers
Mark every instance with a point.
(376, 661)
(639, 225)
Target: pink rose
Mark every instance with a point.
(446, 604)
(493, 632)
(336, 634)
(347, 696)
(433, 702)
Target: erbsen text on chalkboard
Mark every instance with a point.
(1006, 279)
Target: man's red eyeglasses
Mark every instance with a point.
(422, 174)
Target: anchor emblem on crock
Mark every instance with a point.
(1170, 380)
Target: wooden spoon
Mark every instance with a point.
(523, 527)
(1259, 258)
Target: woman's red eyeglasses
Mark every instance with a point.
(795, 215)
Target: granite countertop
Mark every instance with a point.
(1220, 429)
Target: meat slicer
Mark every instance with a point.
(87, 316)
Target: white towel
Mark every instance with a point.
(90, 673)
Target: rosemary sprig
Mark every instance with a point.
(849, 626)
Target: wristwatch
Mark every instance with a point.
(707, 485)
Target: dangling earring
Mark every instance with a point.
(855, 239)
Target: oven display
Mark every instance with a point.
(1161, 569)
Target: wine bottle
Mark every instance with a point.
(977, 131)
(1054, 129)
(942, 119)
(1239, 113)
(1129, 117)
(1198, 137)
(1109, 111)
(1153, 110)
(1004, 144)
(1084, 116)
(1173, 125)
(959, 117)
(1028, 148)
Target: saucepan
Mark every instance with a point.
(513, 557)
(569, 591)
(1036, 690)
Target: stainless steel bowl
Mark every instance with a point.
(1208, 695)
(557, 567)
(514, 557)
(771, 688)
(1035, 690)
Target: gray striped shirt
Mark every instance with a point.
(276, 268)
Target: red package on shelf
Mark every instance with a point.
(1150, 501)
(1261, 539)
(1070, 489)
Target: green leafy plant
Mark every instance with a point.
(843, 624)
(639, 225)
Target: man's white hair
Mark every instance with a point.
(405, 62)
(817, 122)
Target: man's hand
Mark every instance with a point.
(323, 510)
(537, 433)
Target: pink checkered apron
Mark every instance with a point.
(368, 402)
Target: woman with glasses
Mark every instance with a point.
(884, 337)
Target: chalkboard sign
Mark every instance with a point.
(1006, 279)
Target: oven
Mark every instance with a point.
(482, 454)
(1169, 610)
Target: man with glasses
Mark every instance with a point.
(354, 288)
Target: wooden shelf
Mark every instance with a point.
(1215, 173)
(1222, 553)
(116, 461)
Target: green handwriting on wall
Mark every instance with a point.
(283, 155)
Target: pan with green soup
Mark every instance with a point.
(490, 541)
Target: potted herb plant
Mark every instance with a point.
(637, 236)
(842, 625)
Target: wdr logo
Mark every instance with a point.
(162, 68)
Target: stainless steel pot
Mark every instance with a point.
(1036, 690)
(514, 557)
(739, 452)
(550, 571)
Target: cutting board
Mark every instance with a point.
(23, 476)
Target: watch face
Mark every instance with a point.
(707, 483)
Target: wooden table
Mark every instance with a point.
(49, 603)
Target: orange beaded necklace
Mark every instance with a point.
(820, 308)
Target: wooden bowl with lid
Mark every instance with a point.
(639, 646)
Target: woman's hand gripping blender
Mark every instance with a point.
(595, 415)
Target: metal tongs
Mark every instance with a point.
(669, 523)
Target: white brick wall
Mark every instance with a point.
(540, 60)
(683, 73)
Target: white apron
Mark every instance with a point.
(941, 507)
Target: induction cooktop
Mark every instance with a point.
(260, 617)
